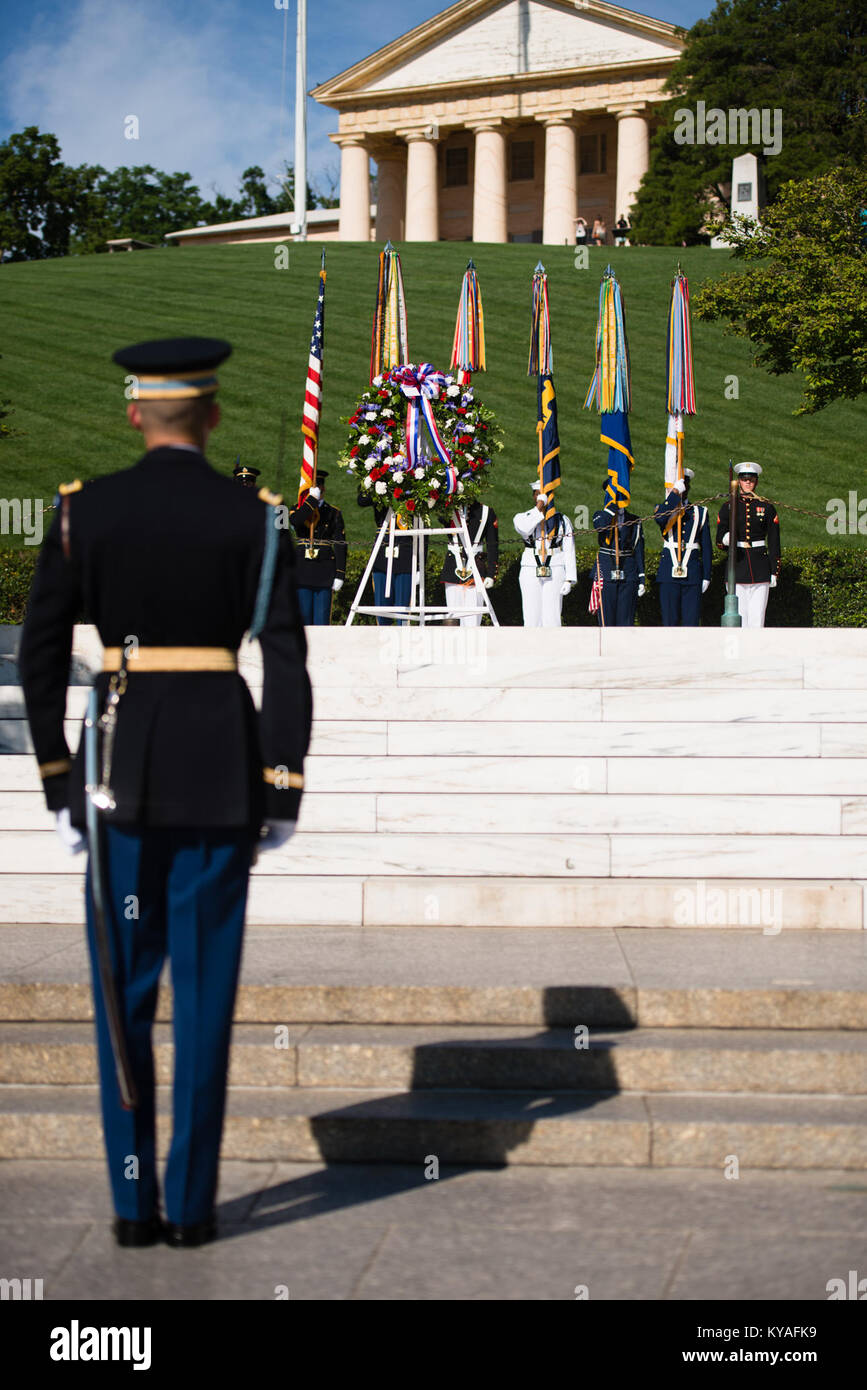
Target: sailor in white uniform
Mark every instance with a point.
(545, 579)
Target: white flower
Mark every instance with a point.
(453, 391)
(368, 482)
(398, 477)
(418, 473)
(388, 413)
(468, 429)
(381, 487)
(430, 501)
(460, 487)
(370, 414)
(377, 381)
(350, 467)
(364, 439)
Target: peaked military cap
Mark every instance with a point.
(174, 368)
(243, 470)
(748, 468)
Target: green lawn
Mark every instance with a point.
(61, 320)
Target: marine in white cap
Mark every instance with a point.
(547, 572)
(757, 538)
(687, 555)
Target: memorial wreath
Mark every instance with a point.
(420, 442)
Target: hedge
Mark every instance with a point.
(817, 588)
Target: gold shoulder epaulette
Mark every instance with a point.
(267, 495)
(66, 488)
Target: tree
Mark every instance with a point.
(805, 308)
(806, 61)
(34, 215)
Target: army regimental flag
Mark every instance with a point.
(614, 431)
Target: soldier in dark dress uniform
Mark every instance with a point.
(684, 575)
(619, 595)
(401, 562)
(321, 562)
(757, 563)
(243, 474)
(178, 799)
(457, 575)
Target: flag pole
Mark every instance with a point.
(301, 123)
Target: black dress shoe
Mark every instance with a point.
(198, 1233)
(146, 1232)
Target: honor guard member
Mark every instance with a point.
(546, 577)
(244, 475)
(321, 561)
(687, 555)
(457, 575)
(176, 774)
(620, 564)
(401, 563)
(757, 536)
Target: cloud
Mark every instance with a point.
(206, 94)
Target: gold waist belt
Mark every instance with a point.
(172, 659)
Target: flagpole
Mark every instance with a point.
(301, 123)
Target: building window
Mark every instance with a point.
(522, 156)
(592, 153)
(457, 166)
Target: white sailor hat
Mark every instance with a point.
(754, 468)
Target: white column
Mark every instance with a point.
(490, 200)
(560, 206)
(354, 190)
(633, 157)
(422, 201)
(390, 196)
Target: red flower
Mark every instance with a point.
(353, 451)
(410, 506)
(383, 395)
(398, 492)
(461, 409)
(433, 496)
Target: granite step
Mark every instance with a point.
(474, 1057)
(540, 977)
(298, 1124)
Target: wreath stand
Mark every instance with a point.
(417, 610)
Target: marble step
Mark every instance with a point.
(695, 978)
(367, 773)
(667, 704)
(669, 882)
(477, 1057)
(574, 1128)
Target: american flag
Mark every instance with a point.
(313, 394)
(595, 594)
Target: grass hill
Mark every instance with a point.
(61, 320)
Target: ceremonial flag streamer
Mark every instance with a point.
(610, 389)
(313, 395)
(541, 355)
(468, 349)
(680, 382)
(389, 346)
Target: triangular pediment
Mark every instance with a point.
(493, 40)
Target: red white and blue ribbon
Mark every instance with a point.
(422, 386)
(451, 481)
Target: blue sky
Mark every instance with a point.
(203, 78)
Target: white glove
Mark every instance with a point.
(773, 581)
(642, 590)
(705, 585)
(489, 583)
(316, 494)
(565, 588)
(72, 840)
(680, 485)
(725, 539)
(337, 586)
(276, 833)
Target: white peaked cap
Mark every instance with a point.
(688, 473)
(536, 485)
(748, 468)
